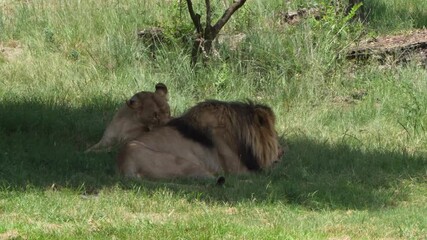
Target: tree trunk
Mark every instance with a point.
(206, 36)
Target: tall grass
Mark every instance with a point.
(396, 15)
(356, 164)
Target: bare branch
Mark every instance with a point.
(195, 17)
(227, 14)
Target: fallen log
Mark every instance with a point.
(399, 46)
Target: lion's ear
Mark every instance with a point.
(260, 119)
(264, 116)
(161, 89)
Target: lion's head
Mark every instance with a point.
(150, 108)
(247, 128)
(141, 113)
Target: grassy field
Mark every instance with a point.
(356, 167)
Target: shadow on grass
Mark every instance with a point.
(43, 145)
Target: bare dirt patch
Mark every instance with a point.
(10, 50)
(12, 234)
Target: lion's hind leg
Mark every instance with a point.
(140, 161)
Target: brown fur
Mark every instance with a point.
(142, 112)
(211, 138)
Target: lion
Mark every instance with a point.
(210, 139)
(141, 113)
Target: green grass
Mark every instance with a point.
(356, 133)
(396, 14)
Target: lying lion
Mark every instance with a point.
(142, 112)
(211, 138)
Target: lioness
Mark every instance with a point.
(139, 114)
(211, 138)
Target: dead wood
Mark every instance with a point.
(294, 17)
(400, 46)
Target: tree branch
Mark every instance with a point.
(227, 14)
(208, 13)
(195, 17)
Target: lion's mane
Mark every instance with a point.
(247, 127)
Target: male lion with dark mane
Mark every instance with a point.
(141, 113)
(211, 138)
